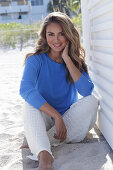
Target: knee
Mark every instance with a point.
(93, 101)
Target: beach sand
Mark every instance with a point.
(93, 153)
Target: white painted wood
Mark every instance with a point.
(103, 26)
(93, 3)
(101, 11)
(102, 43)
(106, 127)
(98, 42)
(106, 94)
(102, 58)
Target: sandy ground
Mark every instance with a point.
(93, 153)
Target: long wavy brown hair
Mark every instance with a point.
(76, 51)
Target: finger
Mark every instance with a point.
(63, 139)
(64, 135)
(55, 136)
(61, 135)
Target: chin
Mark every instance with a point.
(58, 50)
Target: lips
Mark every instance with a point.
(57, 45)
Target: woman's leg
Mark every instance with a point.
(79, 119)
(35, 130)
(48, 123)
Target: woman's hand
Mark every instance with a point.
(61, 131)
(65, 52)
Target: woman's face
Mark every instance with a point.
(55, 37)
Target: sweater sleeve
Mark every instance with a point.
(27, 87)
(84, 84)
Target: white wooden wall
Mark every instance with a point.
(97, 17)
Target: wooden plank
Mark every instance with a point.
(108, 111)
(105, 97)
(101, 11)
(106, 93)
(102, 43)
(102, 58)
(101, 70)
(103, 26)
(92, 4)
(105, 105)
(106, 127)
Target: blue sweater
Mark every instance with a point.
(44, 80)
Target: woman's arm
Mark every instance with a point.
(81, 80)
(27, 87)
(49, 110)
(74, 71)
(61, 131)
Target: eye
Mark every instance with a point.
(62, 34)
(50, 34)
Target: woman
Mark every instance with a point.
(53, 76)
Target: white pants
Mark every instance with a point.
(39, 127)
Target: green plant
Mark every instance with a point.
(78, 23)
(16, 33)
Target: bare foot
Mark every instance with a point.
(24, 146)
(45, 161)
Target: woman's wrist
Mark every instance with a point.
(66, 58)
(57, 116)
(49, 110)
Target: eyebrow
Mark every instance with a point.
(53, 32)
(49, 32)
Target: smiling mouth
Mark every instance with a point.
(57, 45)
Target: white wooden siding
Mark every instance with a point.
(97, 17)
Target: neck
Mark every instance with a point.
(56, 56)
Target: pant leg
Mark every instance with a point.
(35, 125)
(79, 119)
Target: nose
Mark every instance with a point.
(56, 38)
